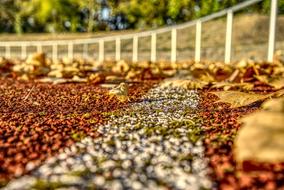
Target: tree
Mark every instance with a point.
(208, 7)
(86, 15)
(9, 14)
(53, 15)
(153, 13)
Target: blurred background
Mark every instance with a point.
(73, 19)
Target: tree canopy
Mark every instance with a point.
(21, 16)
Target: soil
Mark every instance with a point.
(38, 120)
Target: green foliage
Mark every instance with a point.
(53, 13)
(153, 13)
(84, 15)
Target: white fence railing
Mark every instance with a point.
(40, 45)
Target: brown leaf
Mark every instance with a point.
(262, 78)
(184, 83)
(261, 137)
(277, 83)
(121, 92)
(227, 86)
(239, 99)
(274, 105)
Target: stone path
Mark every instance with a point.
(154, 144)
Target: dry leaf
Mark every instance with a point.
(274, 105)
(239, 99)
(121, 67)
(207, 77)
(234, 75)
(97, 78)
(227, 86)
(37, 59)
(262, 78)
(55, 74)
(261, 137)
(168, 73)
(121, 92)
(76, 78)
(277, 94)
(184, 83)
(277, 83)
(132, 74)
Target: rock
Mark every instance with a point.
(136, 185)
(70, 179)
(99, 180)
(23, 183)
(30, 166)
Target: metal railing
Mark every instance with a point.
(229, 12)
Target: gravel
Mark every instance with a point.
(154, 144)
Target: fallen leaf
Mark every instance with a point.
(262, 78)
(121, 67)
(120, 91)
(207, 77)
(96, 78)
(274, 105)
(277, 83)
(227, 85)
(234, 75)
(184, 83)
(239, 99)
(261, 137)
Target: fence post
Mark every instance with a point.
(8, 51)
(272, 27)
(23, 51)
(101, 51)
(229, 31)
(70, 50)
(117, 49)
(54, 52)
(153, 47)
(39, 48)
(135, 49)
(198, 41)
(174, 45)
(85, 50)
